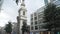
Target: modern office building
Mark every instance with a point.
(37, 18)
(37, 21)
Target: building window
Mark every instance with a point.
(35, 18)
(23, 12)
(35, 22)
(36, 27)
(40, 27)
(31, 15)
(31, 19)
(31, 23)
(32, 28)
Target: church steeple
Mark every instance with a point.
(22, 15)
(22, 7)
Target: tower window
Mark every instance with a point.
(23, 12)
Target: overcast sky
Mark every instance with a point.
(10, 10)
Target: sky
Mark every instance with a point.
(10, 9)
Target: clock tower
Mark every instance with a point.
(22, 15)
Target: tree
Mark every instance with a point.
(47, 26)
(57, 17)
(8, 28)
(49, 13)
(24, 27)
(52, 16)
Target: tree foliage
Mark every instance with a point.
(49, 12)
(24, 27)
(8, 27)
(52, 16)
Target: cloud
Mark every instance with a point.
(4, 18)
(10, 10)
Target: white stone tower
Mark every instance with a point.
(22, 15)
